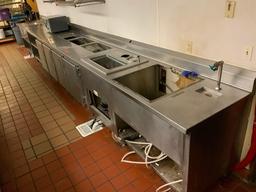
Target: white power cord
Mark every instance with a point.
(115, 137)
(168, 184)
(154, 159)
(148, 146)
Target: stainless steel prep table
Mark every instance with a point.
(202, 135)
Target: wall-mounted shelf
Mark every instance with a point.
(78, 3)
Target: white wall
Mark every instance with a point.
(213, 35)
(127, 18)
(173, 23)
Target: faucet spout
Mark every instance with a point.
(218, 66)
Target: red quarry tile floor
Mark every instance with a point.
(90, 164)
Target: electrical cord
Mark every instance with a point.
(115, 137)
(98, 123)
(166, 185)
(147, 149)
(93, 122)
(154, 159)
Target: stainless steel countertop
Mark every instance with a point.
(183, 111)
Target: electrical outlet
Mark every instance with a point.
(248, 53)
(230, 9)
(189, 47)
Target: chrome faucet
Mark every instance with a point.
(218, 66)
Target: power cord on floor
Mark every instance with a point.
(154, 159)
(116, 138)
(166, 185)
(147, 149)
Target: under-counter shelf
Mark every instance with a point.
(34, 45)
(167, 169)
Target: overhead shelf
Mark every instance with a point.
(78, 3)
(10, 2)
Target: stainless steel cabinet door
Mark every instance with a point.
(41, 55)
(73, 83)
(50, 62)
(60, 70)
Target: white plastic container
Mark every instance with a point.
(2, 35)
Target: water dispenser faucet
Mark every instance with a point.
(218, 66)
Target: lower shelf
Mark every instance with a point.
(7, 39)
